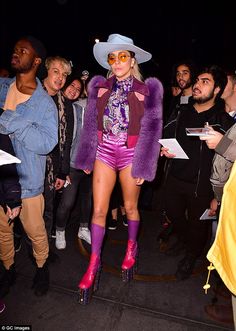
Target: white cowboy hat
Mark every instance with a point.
(117, 42)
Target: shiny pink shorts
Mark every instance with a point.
(114, 152)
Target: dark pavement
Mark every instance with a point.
(154, 300)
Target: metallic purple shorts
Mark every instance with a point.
(114, 152)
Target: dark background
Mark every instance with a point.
(206, 32)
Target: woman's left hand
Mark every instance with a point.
(139, 181)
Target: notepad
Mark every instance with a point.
(174, 148)
(6, 158)
(206, 216)
(197, 132)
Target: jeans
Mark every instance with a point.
(81, 187)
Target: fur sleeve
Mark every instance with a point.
(88, 140)
(148, 148)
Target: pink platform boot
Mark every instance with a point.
(89, 283)
(129, 264)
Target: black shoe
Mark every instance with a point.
(176, 249)
(185, 267)
(52, 257)
(41, 281)
(166, 229)
(7, 279)
(124, 220)
(112, 224)
(17, 243)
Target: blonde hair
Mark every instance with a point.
(135, 71)
(65, 63)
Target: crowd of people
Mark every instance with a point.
(88, 146)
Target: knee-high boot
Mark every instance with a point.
(90, 280)
(130, 261)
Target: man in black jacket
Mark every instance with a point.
(188, 192)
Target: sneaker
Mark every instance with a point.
(84, 234)
(41, 280)
(112, 224)
(2, 306)
(7, 279)
(17, 243)
(124, 220)
(60, 240)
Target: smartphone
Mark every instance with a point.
(197, 131)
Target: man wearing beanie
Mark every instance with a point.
(29, 116)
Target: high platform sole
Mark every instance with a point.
(85, 295)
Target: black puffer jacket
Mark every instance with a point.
(10, 190)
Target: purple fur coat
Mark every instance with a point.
(147, 149)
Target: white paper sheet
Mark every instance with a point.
(174, 148)
(205, 216)
(6, 158)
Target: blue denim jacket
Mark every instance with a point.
(33, 129)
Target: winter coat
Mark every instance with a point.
(145, 124)
(223, 161)
(33, 129)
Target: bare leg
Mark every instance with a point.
(103, 183)
(104, 179)
(131, 193)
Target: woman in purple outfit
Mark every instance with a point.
(123, 123)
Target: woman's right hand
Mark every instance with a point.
(165, 152)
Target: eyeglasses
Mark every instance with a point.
(122, 57)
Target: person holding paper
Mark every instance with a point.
(10, 197)
(29, 116)
(188, 192)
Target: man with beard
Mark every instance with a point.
(183, 77)
(188, 192)
(29, 117)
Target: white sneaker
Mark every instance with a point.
(60, 240)
(84, 233)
